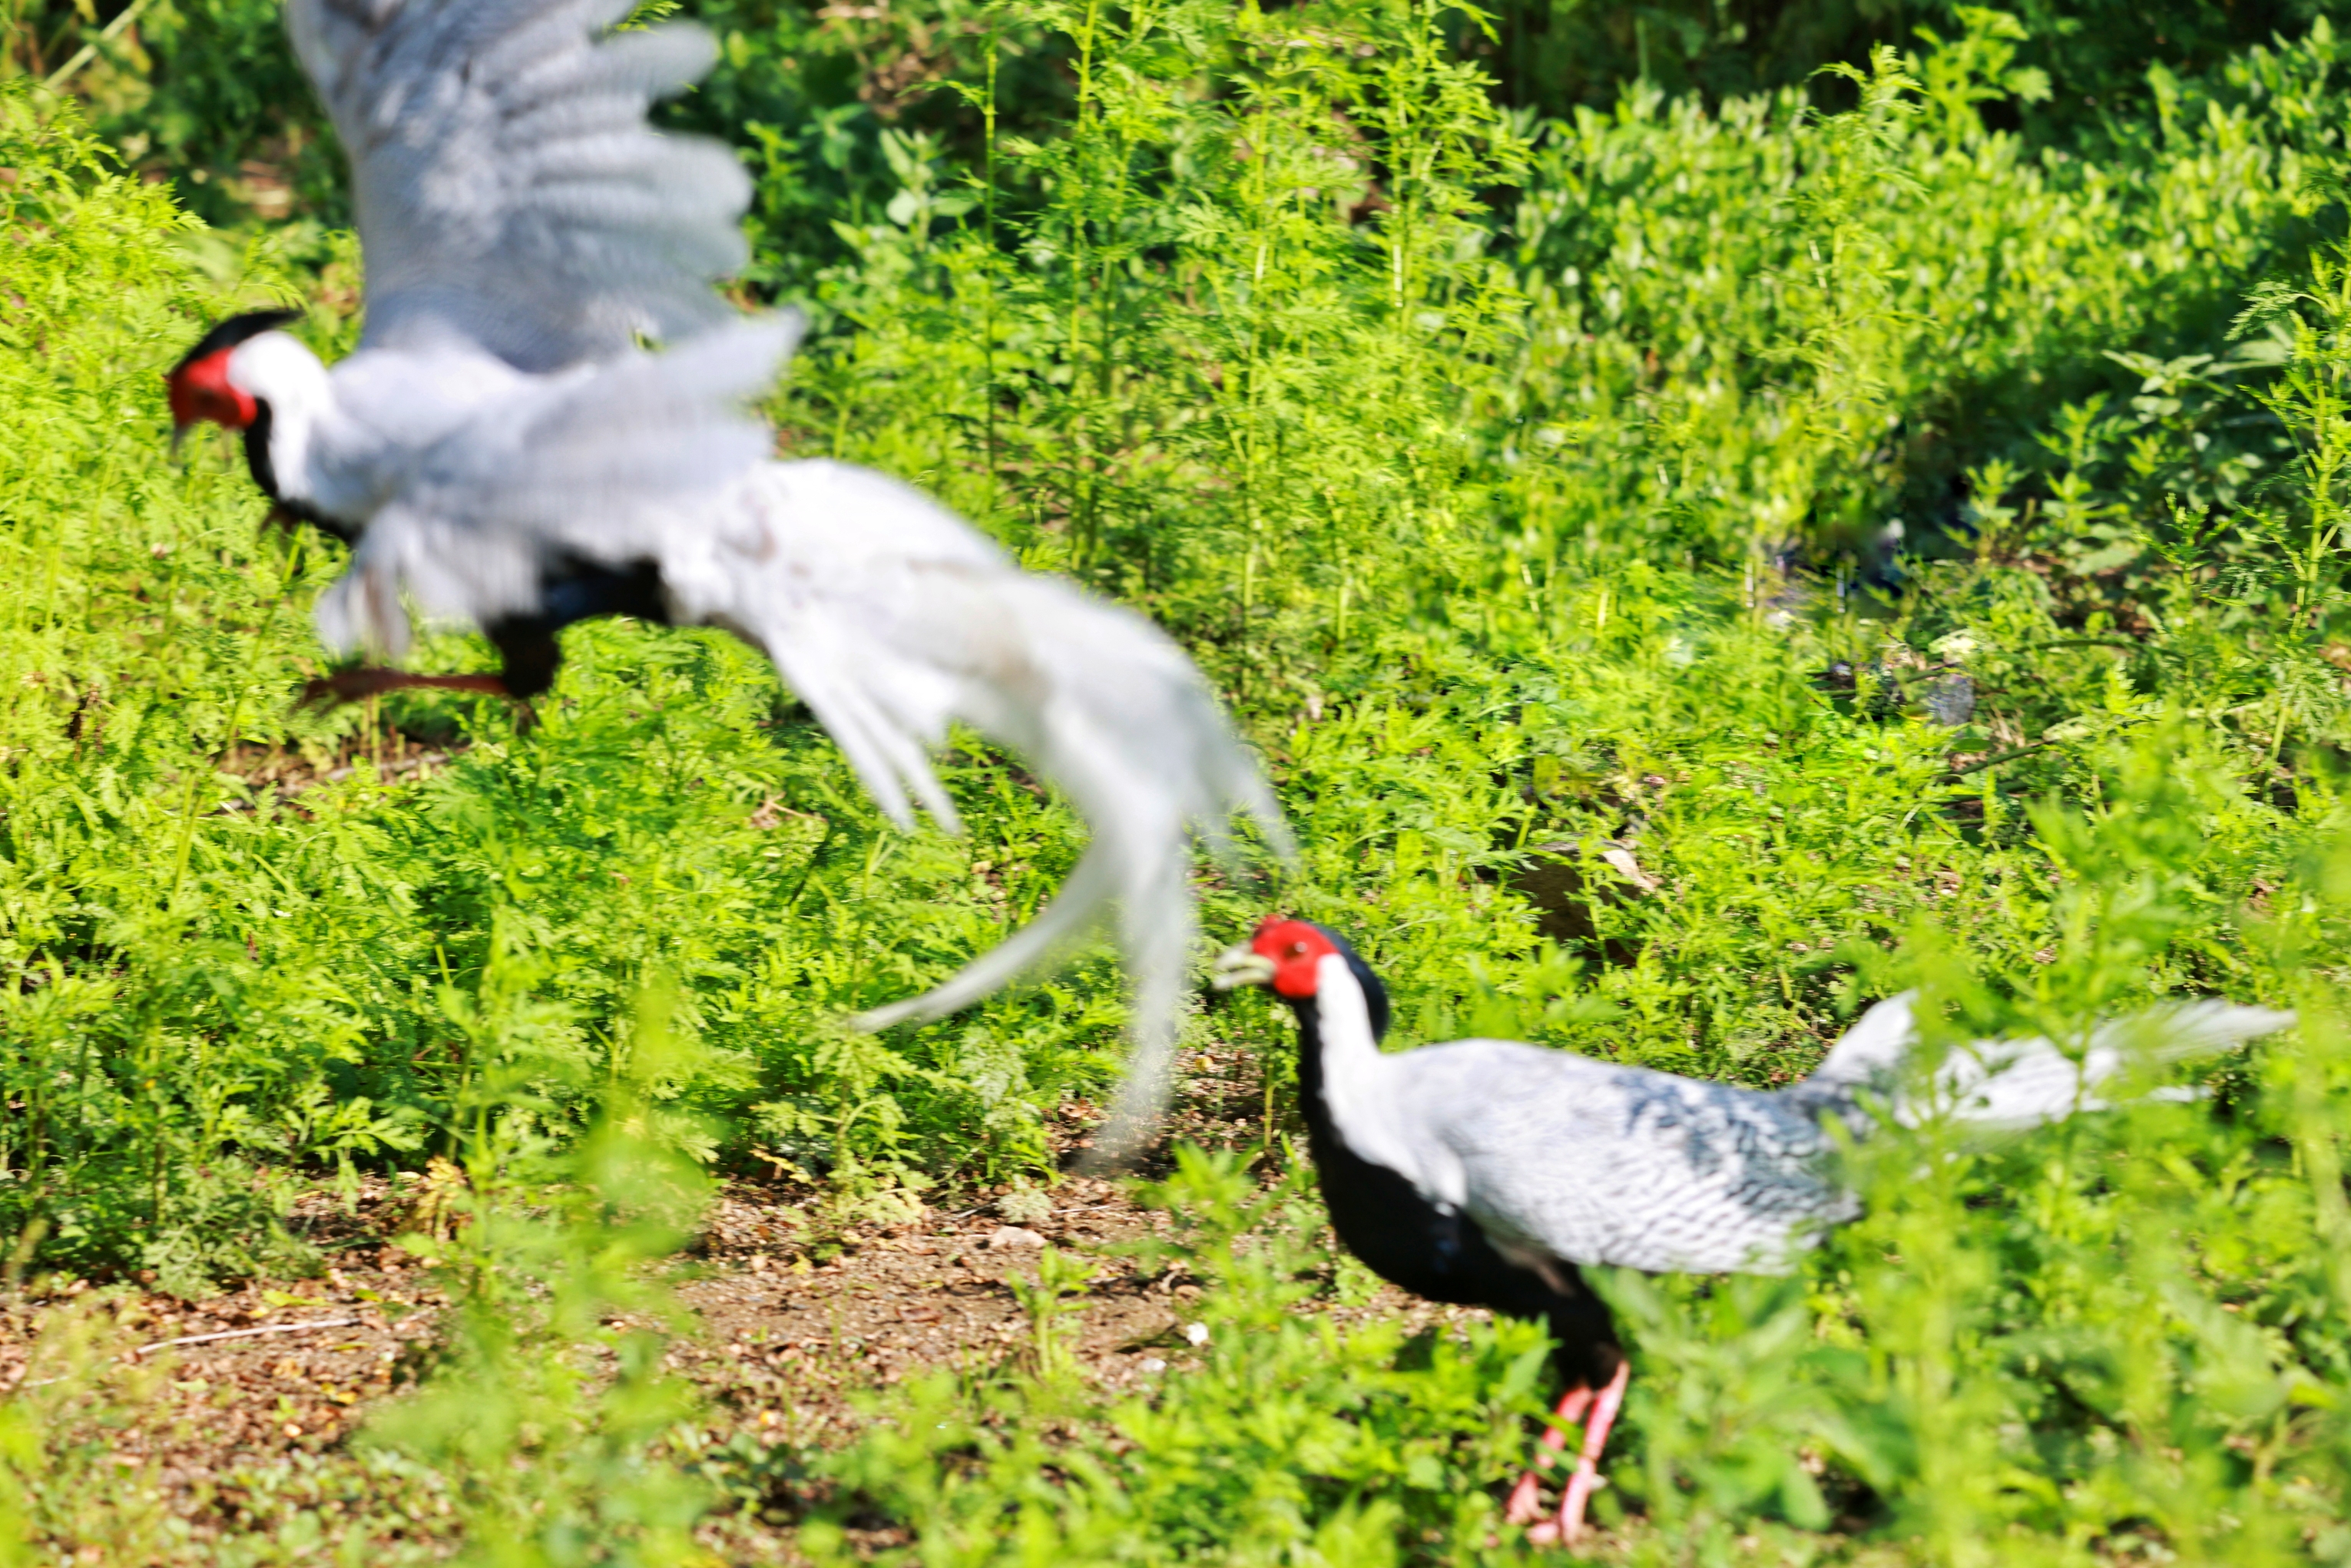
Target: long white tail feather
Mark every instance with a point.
(2014, 1085)
(1876, 1043)
(1067, 919)
(2009, 1084)
(848, 719)
(889, 764)
(891, 621)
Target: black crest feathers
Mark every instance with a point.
(228, 334)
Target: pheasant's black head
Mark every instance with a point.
(199, 385)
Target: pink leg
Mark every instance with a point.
(1586, 1480)
(1525, 1506)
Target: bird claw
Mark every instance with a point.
(1567, 1526)
(1543, 1528)
(1563, 1529)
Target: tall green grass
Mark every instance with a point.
(1597, 522)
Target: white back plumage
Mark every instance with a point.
(517, 215)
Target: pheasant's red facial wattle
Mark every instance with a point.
(1297, 950)
(200, 390)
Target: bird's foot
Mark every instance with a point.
(352, 686)
(1526, 1499)
(1568, 1528)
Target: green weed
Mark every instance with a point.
(1693, 565)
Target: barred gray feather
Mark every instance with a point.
(509, 191)
(1554, 1155)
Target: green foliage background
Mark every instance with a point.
(1700, 541)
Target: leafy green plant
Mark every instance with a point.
(553, 1419)
(1691, 565)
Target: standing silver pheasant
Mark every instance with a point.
(1483, 1172)
(501, 450)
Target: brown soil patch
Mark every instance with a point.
(797, 1316)
(787, 1341)
(798, 1321)
(269, 1368)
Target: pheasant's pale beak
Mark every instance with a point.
(1241, 965)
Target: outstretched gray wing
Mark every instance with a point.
(509, 190)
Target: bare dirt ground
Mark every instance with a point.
(796, 1315)
(795, 1338)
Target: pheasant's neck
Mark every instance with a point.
(294, 408)
(275, 448)
(1347, 1082)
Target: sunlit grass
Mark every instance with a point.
(1526, 488)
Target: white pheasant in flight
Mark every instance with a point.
(501, 449)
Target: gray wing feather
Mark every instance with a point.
(1600, 1164)
(1554, 1155)
(509, 191)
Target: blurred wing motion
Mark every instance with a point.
(609, 463)
(891, 617)
(509, 191)
(505, 452)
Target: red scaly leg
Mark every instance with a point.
(1587, 1480)
(1525, 1505)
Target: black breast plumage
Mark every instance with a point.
(1431, 1249)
